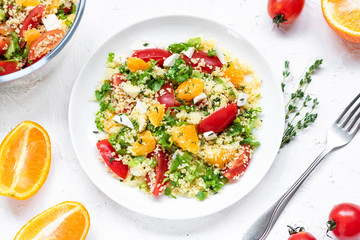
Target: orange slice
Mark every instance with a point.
(135, 64)
(145, 144)
(186, 137)
(65, 221)
(189, 89)
(25, 158)
(343, 16)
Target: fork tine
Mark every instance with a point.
(346, 111)
(352, 117)
(355, 126)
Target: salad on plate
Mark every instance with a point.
(30, 29)
(179, 120)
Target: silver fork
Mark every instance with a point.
(339, 134)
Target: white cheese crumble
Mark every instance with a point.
(210, 135)
(200, 97)
(220, 55)
(140, 107)
(242, 99)
(51, 22)
(170, 61)
(130, 89)
(123, 120)
(189, 52)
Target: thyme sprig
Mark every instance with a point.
(299, 101)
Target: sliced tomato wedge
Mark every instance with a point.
(4, 44)
(107, 151)
(219, 120)
(117, 79)
(156, 184)
(7, 67)
(44, 44)
(237, 168)
(157, 54)
(210, 62)
(166, 96)
(31, 21)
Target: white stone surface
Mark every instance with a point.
(334, 181)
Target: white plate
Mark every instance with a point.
(164, 31)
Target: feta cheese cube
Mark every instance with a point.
(140, 107)
(119, 59)
(130, 89)
(200, 97)
(189, 52)
(220, 55)
(51, 22)
(170, 61)
(123, 120)
(210, 135)
(242, 99)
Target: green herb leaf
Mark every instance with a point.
(201, 195)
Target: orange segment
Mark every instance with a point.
(67, 220)
(220, 156)
(145, 144)
(189, 89)
(134, 64)
(25, 156)
(343, 16)
(234, 73)
(156, 114)
(31, 35)
(186, 137)
(27, 3)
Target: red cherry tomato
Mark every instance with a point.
(210, 62)
(166, 95)
(156, 184)
(7, 67)
(237, 168)
(49, 39)
(4, 44)
(299, 233)
(219, 120)
(285, 11)
(344, 221)
(117, 79)
(157, 54)
(106, 151)
(31, 21)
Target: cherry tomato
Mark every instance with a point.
(237, 168)
(219, 120)
(299, 233)
(166, 96)
(157, 54)
(117, 79)
(4, 44)
(285, 11)
(7, 67)
(344, 221)
(157, 184)
(210, 62)
(106, 151)
(31, 21)
(50, 39)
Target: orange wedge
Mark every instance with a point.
(343, 16)
(25, 156)
(65, 221)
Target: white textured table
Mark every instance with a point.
(336, 179)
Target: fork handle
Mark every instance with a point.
(260, 229)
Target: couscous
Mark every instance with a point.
(178, 120)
